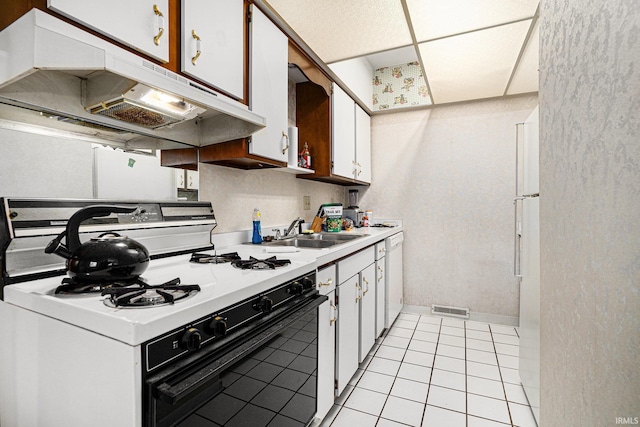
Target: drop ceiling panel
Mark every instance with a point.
(525, 78)
(474, 65)
(337, 30)
(437, 18)
(393, 57)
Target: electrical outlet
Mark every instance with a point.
(306, 201)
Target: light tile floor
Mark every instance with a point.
(441, 372)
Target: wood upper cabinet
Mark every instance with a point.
(269, 86)
(334, 131)
(213, 43)
(141, 24)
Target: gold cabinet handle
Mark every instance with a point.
(335, 311)
(286, 136)
(156, 38)
(366, 283)
(198, 50)
(328, 283)
(359, 297)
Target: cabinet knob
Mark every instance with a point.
(286, 137)
(198, 47)
(327, 283)
(335, 315)
(160, 16)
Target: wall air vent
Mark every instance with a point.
(444, 310)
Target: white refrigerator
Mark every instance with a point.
(527, 258)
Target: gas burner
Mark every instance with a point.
(214, 259)
(74, 286)
(260, 264)
(137, 296)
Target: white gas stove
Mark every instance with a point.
(71, 356)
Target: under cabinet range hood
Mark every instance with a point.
(55, 75)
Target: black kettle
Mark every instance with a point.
(110, 256)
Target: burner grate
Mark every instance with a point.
(74, 286)
(214, 259)
(260, 264)
(147, 295)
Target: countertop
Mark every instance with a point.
(221, 285)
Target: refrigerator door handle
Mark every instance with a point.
(516, 238)
(517, 233)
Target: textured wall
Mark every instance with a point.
(234, 193)
(33, 165)
(448, 172)
(589, 205)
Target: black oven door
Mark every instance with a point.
(263, 375)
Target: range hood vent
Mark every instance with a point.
(52, 69)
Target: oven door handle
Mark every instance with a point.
(209, 374)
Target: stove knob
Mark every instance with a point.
(307, 283)
(296, 288)
(264, 305)
(219, 326)
(191, 339)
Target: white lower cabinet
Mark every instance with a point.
(356, 314)
(327, 316)
(367, 311)
(381, 287)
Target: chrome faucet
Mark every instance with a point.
(296, 222)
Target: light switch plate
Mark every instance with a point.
(306, 202)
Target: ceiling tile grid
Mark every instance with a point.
(473, 65)
(467, 49)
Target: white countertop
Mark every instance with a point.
(221, 285)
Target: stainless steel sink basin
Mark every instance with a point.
(317, 240)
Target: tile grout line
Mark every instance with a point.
(396, 375)
(504, 390)
(466, 385)
(433, 363)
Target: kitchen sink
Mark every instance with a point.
(316, 241)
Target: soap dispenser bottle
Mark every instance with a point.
(257, 230)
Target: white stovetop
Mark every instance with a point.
(221, 285)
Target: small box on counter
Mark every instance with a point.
(333, 212)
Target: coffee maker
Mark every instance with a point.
(353, 211)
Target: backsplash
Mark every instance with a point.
(399, 86)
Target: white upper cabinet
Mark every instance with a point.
(363, 145)
(357, 74)
(213, 43)
(269, 71)
(351, 143)
(141, 24)
(343, 124)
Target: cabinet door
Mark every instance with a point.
(180, 176)
(367, 311)
(193, 180)
(347, 331)
(213, 43)
(141, 24)
(327, 315)
(381, 292)
(343, 143)
(363, 145)
(269, 86)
